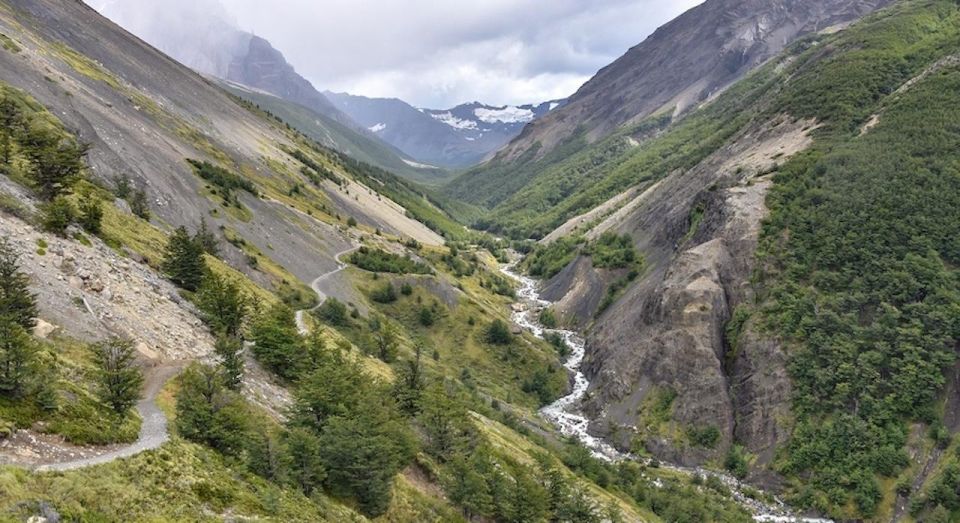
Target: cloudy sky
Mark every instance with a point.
(438, 53)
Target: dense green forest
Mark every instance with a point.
(861, 251)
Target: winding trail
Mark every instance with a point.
(51, 453)
(565, 413)
(321, 296)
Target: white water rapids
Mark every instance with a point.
(565, 413)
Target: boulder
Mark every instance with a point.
(42, 329)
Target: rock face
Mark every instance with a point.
(685, 62)
(667, 332)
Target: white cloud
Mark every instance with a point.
(438, 53)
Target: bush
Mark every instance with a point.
(333, 312)
(426, 316)
(706, 437)
(384, 294)
(376, 260)
(498, 333)
(57, 215)
(91, 215)
(183, 262)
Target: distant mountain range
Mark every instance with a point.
(459, 137)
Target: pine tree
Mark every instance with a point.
(207, 239)
(91, 214)
(277, 341)
(16, 300)
(119, 378)
(184, 263)
(302, 460)
(56, 163)
(386, 340)
(17, 356)
(11, 124)
(230, 350)
(409, 385)
(223, 304)
(139, 204)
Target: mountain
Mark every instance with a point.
(454, 138)
(683, 64)
(202, 36)
(752, 275)
(208, 315)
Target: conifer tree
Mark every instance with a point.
(184, 263)
(16, 301)
(17, 356)
(119, 378)
(230, 350)
(223, 304)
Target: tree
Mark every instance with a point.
(11, 124)
(16, 301)
(230, 350)
(409, 385)
(364, 450)
(56, 163)
(223, 304)
(445, 422)
(139, 204)
(331, 388)
(209, 413)
(57, 215)
(333, 312)
(277, 341)
(468, 489)
(499, 333)
(302, 459)
(183, 262)
(206, 239)
(17, 355)
(120, 381)
(91, 214)
(426, 316)
(387, 340)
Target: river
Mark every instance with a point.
(566, 412)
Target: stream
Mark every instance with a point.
(566, 415)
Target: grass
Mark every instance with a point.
(79, 416)
(178, 482)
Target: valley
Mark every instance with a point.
(719, 283)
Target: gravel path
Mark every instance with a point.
(41, 452)
(321, 296)
(153, 430)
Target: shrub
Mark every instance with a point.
(384, 294)
(376, 260)
(498, 333)
(57, 215)
(91, 215)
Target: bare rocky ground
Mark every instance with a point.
(666, 331)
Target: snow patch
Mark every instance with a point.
(553, 105)
(377, 128)
(451, 120)
(504, 115)
(418, 165)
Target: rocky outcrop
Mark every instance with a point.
(684, 63)
(698, 230)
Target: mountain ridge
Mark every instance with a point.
(458, 137)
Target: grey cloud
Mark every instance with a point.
(438, 53)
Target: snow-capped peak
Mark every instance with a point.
(506, 114)
(451, 120)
